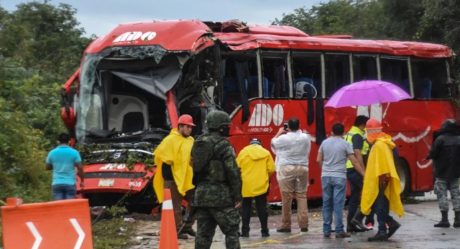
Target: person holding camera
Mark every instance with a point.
(292, 149)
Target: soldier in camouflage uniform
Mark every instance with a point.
(217, 181)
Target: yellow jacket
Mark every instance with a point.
(174, 150)
(381, 162)
(256, 164)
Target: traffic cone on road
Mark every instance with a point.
(168, 233)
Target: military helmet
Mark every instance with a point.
(216, 119)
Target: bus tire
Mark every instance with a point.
(402, 168)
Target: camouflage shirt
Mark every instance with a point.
(216, 175)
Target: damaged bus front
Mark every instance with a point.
(125, 99)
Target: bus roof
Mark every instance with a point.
(195, 35)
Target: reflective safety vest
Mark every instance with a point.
(364, 150)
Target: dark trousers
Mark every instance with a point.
(356, 186)
(381, 208)
(261, 207)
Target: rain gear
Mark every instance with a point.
(381, 164)
(256, 165)
(174, 150)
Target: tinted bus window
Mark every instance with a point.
(364, 67)
(430, 78)
(306, 74)
(337, 72)
(274, 71)
(395, 70)
(239, 71)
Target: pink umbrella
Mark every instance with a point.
(367, 92)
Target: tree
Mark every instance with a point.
(44, 37)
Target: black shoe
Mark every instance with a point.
(442, 223)
(182, 236)
(265, 234)
(283, 230)
(456, 224)
(327, 235)
(392, 227)
(380, 236)
(358, 224)
(354, 229)
(189, 231)
(304, 229)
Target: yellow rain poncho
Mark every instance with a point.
(256, 164)
(381, 162)
(174, 150)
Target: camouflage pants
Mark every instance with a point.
(440, 188)
(207, 219)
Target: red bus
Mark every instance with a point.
(135, 81)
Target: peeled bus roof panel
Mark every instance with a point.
(195, 35)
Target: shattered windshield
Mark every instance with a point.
(123, 90)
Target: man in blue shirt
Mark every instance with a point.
(63, 160)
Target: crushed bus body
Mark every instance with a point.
(134, 82)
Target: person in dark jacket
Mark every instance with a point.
(445, 153)
(217, 181)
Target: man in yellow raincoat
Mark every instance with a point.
(381, 189)
(257, 165)
(174, 171)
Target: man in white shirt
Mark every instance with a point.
(292, 149)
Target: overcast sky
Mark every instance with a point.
(100, 16)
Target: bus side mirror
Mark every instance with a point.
(68, 116)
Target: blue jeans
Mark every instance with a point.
(333, 200)
(64, 191)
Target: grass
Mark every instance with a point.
(114, 232)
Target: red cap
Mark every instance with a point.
(186, 120)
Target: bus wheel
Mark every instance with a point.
(402, 169)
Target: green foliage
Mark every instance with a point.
(44, 37)
(40, 46)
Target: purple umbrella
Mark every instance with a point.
(367, 92)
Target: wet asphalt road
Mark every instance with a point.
(416, 232)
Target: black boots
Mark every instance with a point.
(444, 220)
(457, 219)
(357, 221)
(380, 236)
(392, 227)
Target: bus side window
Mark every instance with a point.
(395, 70)
(364, 67)
(306, 73)
(337, 72)
(239, 70)
(275, 71)
(430, 79)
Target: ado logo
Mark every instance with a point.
(135, 35)
(264, 115)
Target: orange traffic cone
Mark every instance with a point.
(168, 233)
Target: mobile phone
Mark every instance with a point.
(285, 126)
